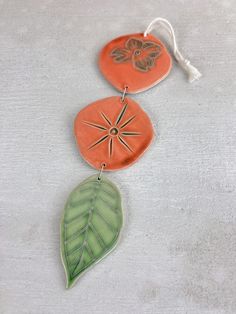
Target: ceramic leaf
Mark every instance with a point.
(90, 226)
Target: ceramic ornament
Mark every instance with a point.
(141, 62)
(112, 134)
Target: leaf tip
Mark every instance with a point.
(69, 284)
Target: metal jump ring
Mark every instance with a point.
(103, 165)
(124, 93)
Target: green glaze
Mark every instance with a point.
(90, 226)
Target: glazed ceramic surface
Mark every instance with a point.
(113, 133)
(90, 226)
(135, 61)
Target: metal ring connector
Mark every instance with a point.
(124, 93)
(103, 165)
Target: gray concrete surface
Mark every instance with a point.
(177, 254)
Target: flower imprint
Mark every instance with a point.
(113, 131)
(142, 54)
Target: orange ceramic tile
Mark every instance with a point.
(135, 61)
(113, 133)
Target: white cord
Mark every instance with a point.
(193, 73)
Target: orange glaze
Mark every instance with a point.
(113, 133)
(135, 61)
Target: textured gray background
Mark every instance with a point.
(178, 249)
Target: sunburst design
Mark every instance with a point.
(113, 131)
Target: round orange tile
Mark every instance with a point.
(135, 61)
(113, 133)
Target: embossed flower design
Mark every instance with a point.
(113, 131)
(142, 54)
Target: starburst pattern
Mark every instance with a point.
(112, 131)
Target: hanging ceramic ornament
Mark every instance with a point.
(112, 134)
(91, 225)
(138, 61)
